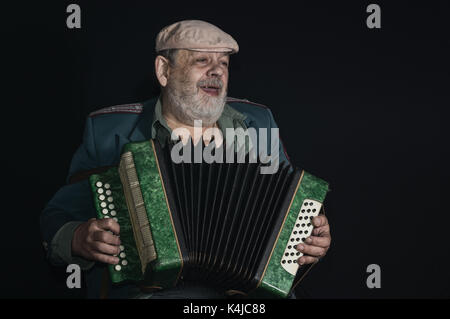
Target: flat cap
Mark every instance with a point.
(195, 35)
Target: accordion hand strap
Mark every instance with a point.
(82, 175)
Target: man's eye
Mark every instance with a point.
(201, 60)
(225, 63)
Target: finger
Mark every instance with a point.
(323, 242)
(106, 237)
(109, 224)
(320, 221)
(311, 250)
(321, 231)
(105, 248)
(305, 260)
(107, 259)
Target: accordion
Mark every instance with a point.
(222, 223)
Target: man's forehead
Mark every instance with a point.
(193, 53)
(186, 56)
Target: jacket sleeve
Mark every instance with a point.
(70, 206)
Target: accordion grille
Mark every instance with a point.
(137, 211)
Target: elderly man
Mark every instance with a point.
(192, 68)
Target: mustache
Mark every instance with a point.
(211, 83)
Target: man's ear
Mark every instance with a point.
(162, 70)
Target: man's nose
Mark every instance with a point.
(215, 70)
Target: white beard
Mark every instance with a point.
(188, 105)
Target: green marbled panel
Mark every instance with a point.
(131, 271)
(277, 282)
(163, 272)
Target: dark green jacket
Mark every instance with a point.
(106, 132)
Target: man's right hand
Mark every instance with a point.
(93, 240)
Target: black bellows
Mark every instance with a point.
(226, 215)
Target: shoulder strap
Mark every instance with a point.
(123, 108)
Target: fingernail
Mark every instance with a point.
(300, 247)
(300, 261)
(308, 240)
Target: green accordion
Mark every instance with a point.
(223, 223)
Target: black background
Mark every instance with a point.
(362, 108)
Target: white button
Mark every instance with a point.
(115, 218)
(101, 197)
(110, 199)
(104, 211)
(108, 192)
(107, 186)
(100, 191)
(122, 255)
(118, 268)
(124, 262)
(121, 247)
(113, 213)
(111, 206)
(99, 184)
(103, 204)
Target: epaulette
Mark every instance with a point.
(123, 108)
(233, 99)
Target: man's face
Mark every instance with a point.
(197, 86)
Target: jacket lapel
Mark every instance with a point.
(143, 129)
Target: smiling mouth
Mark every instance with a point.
(210, 90)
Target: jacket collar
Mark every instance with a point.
(143, 129)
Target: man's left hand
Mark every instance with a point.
(316, 245)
